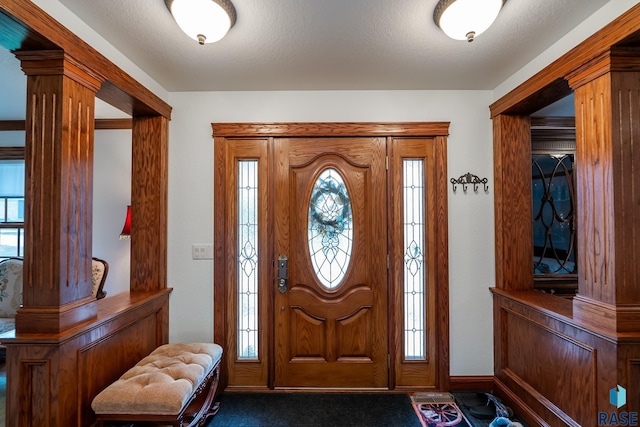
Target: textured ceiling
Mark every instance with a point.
(316, 45)
(331, 44)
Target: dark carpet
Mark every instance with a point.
(315, 409)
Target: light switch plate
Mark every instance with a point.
(202, 251)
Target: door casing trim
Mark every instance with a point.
(437, 130)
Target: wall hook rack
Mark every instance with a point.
(467, 179)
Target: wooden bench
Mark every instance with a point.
(175, 385)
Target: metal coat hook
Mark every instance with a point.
(470, 179)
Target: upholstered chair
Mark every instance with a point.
(11, 288)
(99, 271)
(10, 292)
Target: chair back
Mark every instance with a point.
(10, 286)
(11, 283)
(99, 271)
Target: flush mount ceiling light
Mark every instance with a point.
(205, 21)
(466, 19)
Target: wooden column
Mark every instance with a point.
(512, 174)
(149, 183)
(607, 99)
(59, 177)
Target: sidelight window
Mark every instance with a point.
(414, 271)
(248, 259)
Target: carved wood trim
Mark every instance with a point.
(56, 63)
(330, 129)
(474, 382)
(539, 136)
(553, 122)
(113, 124)
(550, 80)
(100, 124)
(616, 59)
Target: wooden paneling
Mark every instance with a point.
(553, 365)
(59, 182)
(53, 378)
(550, 373)
(121, 349)
(441, 273)
(512, 183)
(625, 99)
(607, 177)
(149, 203)
(595, 195)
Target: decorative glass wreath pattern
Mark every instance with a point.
(330, 228)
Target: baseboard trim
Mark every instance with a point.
(497, 387)
(518, 405)
(476, 382)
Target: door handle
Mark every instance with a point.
(283, 273)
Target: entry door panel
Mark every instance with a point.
(331, 323)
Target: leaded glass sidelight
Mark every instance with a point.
(414, 271)
(247, 259)
(330, 228)
(553, 214)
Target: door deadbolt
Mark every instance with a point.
(283, 273)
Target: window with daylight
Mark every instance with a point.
(330, 228)
(248, 259)
(414, 271)
(11, 207)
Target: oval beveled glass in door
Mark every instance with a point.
(330, 228)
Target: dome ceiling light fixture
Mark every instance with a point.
(205, 21)
(466, 19)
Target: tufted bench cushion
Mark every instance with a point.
(163, 383)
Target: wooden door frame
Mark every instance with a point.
(436, 130)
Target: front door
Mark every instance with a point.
(357, 214)
(330, 225)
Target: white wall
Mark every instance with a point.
(471, 239)
(111, 195)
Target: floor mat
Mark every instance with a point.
(438, 410)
